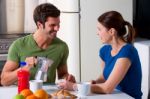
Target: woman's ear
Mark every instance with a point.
(112, 31)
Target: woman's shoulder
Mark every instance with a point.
(128, 50)
(105, 47)
(129, 47)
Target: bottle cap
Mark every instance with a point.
(22, 64)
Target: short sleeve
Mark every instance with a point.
(104, 51)
(65, 54)
(13, 52)
(127, 52)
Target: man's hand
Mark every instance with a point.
(93, 82)
(30, 62)
(67, 85)
(70, 78)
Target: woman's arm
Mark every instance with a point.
(120, 69)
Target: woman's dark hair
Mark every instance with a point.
(114, 19)
(43, 11)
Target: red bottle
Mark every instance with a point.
(23, 78)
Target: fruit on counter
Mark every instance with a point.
(41, 94)
(32, 97)
(26, 92)
(18, 96)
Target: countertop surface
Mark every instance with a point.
(10, 91)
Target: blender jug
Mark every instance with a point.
(43, 65)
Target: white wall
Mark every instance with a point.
(29, 26)
(90, 43)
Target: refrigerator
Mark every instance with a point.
(69, 32)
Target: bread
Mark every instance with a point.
(65, 94)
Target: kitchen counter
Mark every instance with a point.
(9, 92)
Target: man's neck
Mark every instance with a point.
(42, 42)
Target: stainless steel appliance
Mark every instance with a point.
(16, 20)
(14, 15)
(3, 58)
(5, 41)
(11, 16)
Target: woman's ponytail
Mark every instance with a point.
(130, 32)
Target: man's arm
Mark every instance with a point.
(63, 73)
(9, 73)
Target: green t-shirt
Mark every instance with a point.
(27, 47)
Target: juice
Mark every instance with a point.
(23, 79)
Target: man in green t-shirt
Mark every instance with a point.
(42, 43)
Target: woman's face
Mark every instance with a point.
(103, 33)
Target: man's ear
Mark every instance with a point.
(39, 24)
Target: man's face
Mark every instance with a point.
(51, 27)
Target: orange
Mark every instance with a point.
(32, 97)
(26, 92)
(41, 94)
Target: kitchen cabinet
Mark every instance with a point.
(143, 48)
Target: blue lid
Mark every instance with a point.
(22, 63)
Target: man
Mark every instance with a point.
(42, 43)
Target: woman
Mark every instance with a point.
(120, 64)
